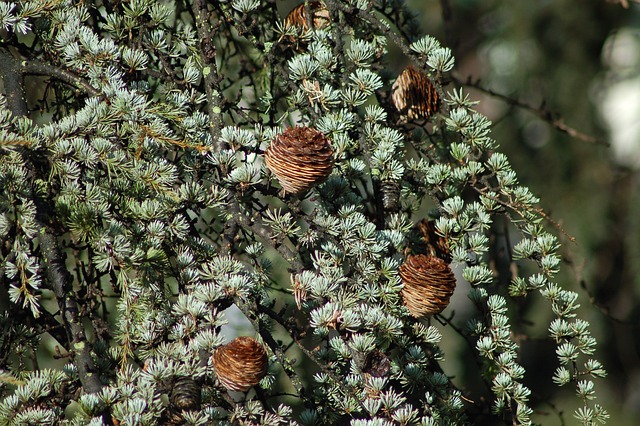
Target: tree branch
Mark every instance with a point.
(13, 81)
(60, 281)
(35, 67)
(554, 119)
(209, 71)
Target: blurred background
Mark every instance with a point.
(571, 129)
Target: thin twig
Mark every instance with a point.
(541, 112)
(577, 268)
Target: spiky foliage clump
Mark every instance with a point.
(136, 208)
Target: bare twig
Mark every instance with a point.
(541, 112)
(35, 67)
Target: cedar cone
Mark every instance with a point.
(428, 284)
(301, 158)
(376, 364)
(390, 190)
(414, 95)
(185, 394)
(240, 364)
(436, 244)
(298, 16)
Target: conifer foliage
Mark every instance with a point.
(165, 165)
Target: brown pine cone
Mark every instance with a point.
(301, 158)
(428, 285)
(240, 364)
(414, 96)
(185, 394)
(298, 16)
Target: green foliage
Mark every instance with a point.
(136, 208)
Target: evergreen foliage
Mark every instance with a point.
(136, 208)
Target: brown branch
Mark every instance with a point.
(56, 272)
(13, 82)
(263, 231)
(61, 283)
(209, 70)
(554, 119)
(35, 67)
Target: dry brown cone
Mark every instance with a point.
(240, 364)
(436, 245)
(428, 285)
(301, 158)
(185, 394)
(414, 96)
(298, 16)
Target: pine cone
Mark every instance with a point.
(298, 16)
(301, 158)
(376, 364)
(428, 285)
(414, 96)
(185, 394)
(436, 244)
(390, 190)
(240, 364)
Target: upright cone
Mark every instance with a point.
(240, 364)
(414, 96)
(298, 16)
(428, 285)
(301, 158)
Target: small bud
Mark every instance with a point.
(428, 285)
(301, 158)
(414, 96)
(240, 364)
